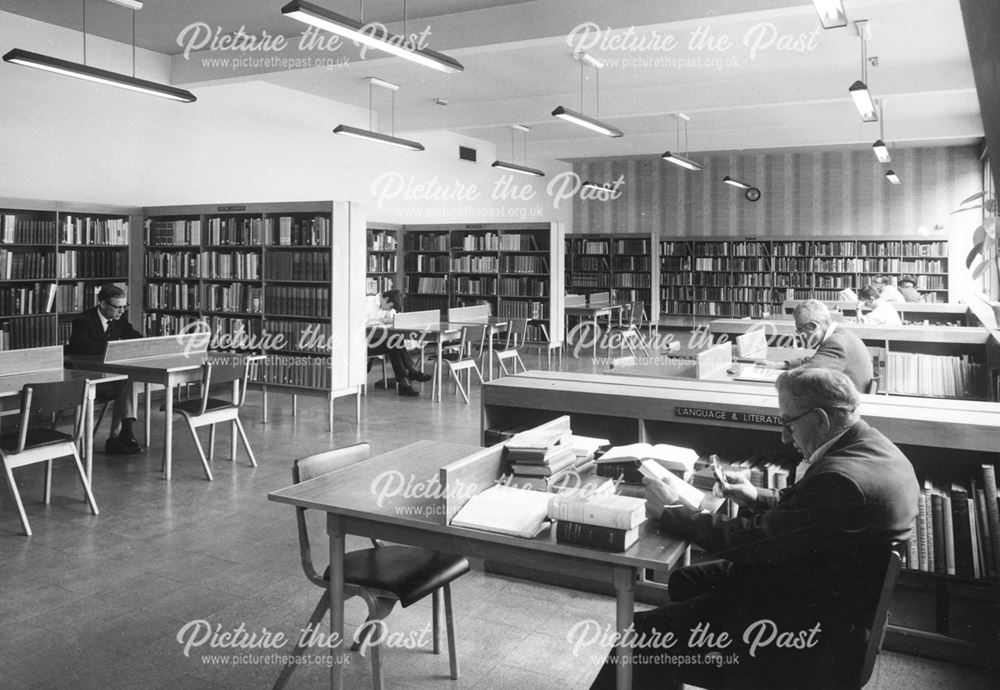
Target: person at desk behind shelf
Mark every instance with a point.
(887, 292)
(380, 342)
(836, 348)
(881, 314)
(908, 288)
(90, 333)
(808, 560)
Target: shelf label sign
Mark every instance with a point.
(728, 416)
(230, 209)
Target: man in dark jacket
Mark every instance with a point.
(91, 331)
(801, 569)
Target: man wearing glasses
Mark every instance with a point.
(836, 348)
(800, 569)
(91, 330)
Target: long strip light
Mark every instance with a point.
(578, 118)
(676, 158)
(736, 183)
(131, 4)
(879, 148)
(892, 177)
(831, 13)
(370, 134)
(371, 35)
(514, 167)
(94, 74)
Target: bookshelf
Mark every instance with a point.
(516, 269)
(752, 277)
(383, 259)
(53, 260)
(625, 264)
(283, 278)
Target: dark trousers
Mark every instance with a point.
(393, 348)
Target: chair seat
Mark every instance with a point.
(35, 438)
(408, 572)
(193, 406)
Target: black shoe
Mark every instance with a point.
(407, 390)
(420, 376)
(128, 440)
(115, 446)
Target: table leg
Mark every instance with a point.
(440, 365)
(595, 337)
(489, 353)
(148, 403)
(625, 600)
(88, 434)
(232, 424)
(168, 430)
(335, 591)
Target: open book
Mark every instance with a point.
(505, 510)
(688, 495)
(674, 458)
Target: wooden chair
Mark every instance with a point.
(381, 575)
(208, 411)
(876, 633)
(460, 360)
(35, 440)
(509, 351)
(544, 343)
(630, 334)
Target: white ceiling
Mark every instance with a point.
(519, 67)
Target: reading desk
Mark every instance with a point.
(457, 472)
(592, 312)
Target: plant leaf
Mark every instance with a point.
(978, 270)
(979, 235)
(969, 208)
(977, 195)
(990, 228)
(973, 253)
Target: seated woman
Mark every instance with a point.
(380, 342)
(882, 313)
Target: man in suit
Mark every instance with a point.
(836, 348)
(801, 569)
(91, 331)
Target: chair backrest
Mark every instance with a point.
(224, 368)
(638, 316)
(313, 466)
(517, 329)
(39, 401)
(877, 631)
(473, 334)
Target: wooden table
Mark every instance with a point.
(347, 499)
(592, 312)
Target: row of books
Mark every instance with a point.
(427, 242)
(466, 285)
(237, 231)
(379, 241)
(89, 230)
(172, 296)
(958, 528)
(297, 301)
(299, 335)
(587, 280)
(940, 376)
(181, 264)
(597, 247)
(75, 297)
(923, 266)
(630, 280)
(523, 309)
(298, 266)
(167, 324)
(524, 287)
(477, 264)
(27, 332)
(427, 286)
(230, 265)
(15, 230)
(240, 333)
(381, 263)
(524, 264)
(301, 372)
(375, 285)
(631, 246)
(173, 232)
(590, 263)
(17, 265)
(238, 297)
(421, 263)
(631, 263)
(490, 242)
(91, 264)
(298, 231)
(21, 300)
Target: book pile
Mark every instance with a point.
(597, 518)
(620, 461)
(958, 529)
(544, 461)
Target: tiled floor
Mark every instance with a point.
(98, 602)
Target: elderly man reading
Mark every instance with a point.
(799, 571)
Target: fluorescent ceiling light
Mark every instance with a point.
(591, 60)
(588, 122)
(131, 4)
(349, 131)
(371, 35)
(892, 177)
(101, 76)
(831, 13)
(736, 183)
(680, 160)
(514, 167)
(606, 187)
(863, 101)
(881, 151)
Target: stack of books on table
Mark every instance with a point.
(597, 518)
(620, 461)
(545, 461)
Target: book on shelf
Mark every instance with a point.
(595, 536)
(992, 509)
(505, 510)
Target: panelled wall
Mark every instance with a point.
(829, 193)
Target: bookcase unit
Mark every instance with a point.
(624, 264)
(517, 269)
(752, 277)
(283, 278)
(383, 258)
(53, 260)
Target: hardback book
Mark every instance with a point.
(554, 465)
(992, 513)
(538, 456)
(675, 458)
(596, 536)
(948, 529)
(505, 510)
(937, 532)
(989, 565)
(618, 512)
(962, 533)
